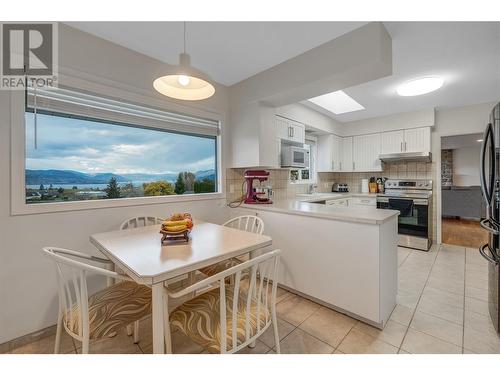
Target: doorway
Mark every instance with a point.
(462, 204)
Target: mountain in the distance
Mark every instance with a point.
(208, 174)
(145, 177)
(55, 176)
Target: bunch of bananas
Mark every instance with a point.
(178, 223)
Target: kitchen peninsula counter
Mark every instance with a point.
(342, 257)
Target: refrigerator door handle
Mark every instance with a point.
(490, 225)
(489, 258)
(487, 189)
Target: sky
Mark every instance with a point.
(94, 147)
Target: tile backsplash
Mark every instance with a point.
(393, 170)
(283, 188)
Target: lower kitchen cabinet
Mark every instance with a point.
(330, 262)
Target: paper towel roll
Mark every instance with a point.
(364, 185)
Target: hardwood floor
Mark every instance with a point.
(466, 233)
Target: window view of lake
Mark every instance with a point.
(82, 159)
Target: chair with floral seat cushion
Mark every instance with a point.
(137, 222)
(248, 223)
(228, 318)
(101, 314)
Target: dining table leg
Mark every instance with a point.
(157, 317)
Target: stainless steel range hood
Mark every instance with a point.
(412, 156)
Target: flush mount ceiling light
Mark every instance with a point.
(185, 82)
(479, 140)
(337, 102)
(420, 86)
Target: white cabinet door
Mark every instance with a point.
(358, 201)
(325, 153)
(290, 130)
(298, 132)
(392, 142)
(366, 151)
(329, 153)
(346, 156)
(282, 128)
(417, 140)
(336, 153)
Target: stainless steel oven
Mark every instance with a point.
(412, 198)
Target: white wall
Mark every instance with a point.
(27, 280)
(465, 166)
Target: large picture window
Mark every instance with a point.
(76, 158)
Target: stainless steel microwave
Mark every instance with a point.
(294, 156)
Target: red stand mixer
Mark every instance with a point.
(257, 195)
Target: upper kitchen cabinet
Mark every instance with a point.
(329, 153)
(392, 142)
(254, 138)
(290, 130)
(346, 160)
(409, 140)
(417, 140)
(366, 151)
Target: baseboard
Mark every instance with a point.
(27, 339)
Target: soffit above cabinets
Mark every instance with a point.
(228, 51)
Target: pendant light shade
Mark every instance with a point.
(185, 82)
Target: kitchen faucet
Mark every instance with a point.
(312, 187)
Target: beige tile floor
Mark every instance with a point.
(442, 308)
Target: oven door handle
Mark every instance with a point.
(490, 258)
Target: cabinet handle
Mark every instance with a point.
(340, 166)
(289, 132)
(293, 132)
(401, 147)
(405, 147)
(353, 166)
(333, 165)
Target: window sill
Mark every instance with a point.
(40, 208)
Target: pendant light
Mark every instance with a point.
(186, 82)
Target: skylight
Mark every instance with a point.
(337, 102)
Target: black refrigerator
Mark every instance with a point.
(490, 187)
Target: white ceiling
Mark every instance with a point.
(228, 51)
(465, 54)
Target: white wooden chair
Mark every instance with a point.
(230, 316)
(140, 221)
(103, 313)
(249, 223)
(137, 222)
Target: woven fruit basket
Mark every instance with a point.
(177, 228)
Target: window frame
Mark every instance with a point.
(17, 173)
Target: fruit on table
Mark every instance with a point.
(173, 223)
(177, 223)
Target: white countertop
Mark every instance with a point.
(302, 206)
(319, 196)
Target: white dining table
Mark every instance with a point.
(141, 255)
